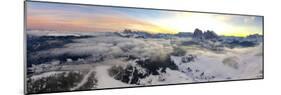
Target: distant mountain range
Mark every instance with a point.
(207, 39)
(197, 34)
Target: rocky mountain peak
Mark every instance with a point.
(199, 34)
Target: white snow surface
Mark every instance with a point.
(105, 81)
(46, 74)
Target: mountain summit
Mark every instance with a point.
(200, 35)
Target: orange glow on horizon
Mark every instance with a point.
(106, 19)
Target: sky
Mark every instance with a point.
(82, 18)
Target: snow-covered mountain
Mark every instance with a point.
(68, 62)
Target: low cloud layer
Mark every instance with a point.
(113, 47)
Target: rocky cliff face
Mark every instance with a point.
(200, 35)
(210, 35)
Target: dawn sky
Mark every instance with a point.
(79, 18)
